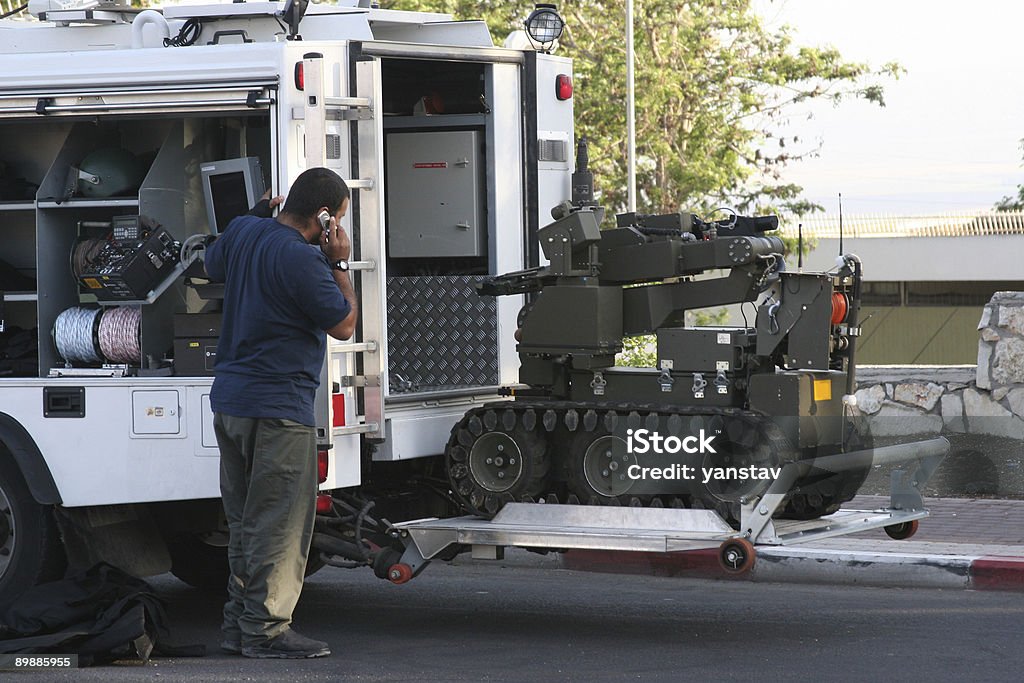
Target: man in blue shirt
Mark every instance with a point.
(282, 296)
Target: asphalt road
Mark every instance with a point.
(493, 623)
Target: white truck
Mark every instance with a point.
(128, 136)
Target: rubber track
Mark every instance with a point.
(548, 416)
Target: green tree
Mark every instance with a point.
(1012, 202)
(638, 352)
(715, 92)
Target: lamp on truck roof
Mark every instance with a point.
(544, 25)
(294, 11)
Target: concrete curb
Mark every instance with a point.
(998, 573)
(812, 565)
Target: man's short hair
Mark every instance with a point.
(314, 188)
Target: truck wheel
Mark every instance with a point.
(201, 561)
(31, 550)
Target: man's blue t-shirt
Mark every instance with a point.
(279, 297)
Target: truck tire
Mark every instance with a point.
(199, 563)
(31, 550)
(203, 564)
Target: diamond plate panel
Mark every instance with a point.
(333, 146)
(441, 334)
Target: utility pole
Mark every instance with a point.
(630, 106)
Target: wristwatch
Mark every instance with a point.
(340, 264)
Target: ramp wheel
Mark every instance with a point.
(384, 560)
(737, 556)
(400, 573)
(902, 531)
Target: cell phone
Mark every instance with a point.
(325, 221)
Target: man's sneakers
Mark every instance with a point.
(287, 645)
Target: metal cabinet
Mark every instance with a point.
(434, 196)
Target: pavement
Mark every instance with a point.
(485, 623)
(971, 543)
(791, 619)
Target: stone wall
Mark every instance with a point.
(983, 399)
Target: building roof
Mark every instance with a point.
(931, 225)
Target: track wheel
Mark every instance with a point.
(489, 467)
(902, 531)
(822, 493)
(598, 465)
(737, 556)
(400, 573)
(742, 442)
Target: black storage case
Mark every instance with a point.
(195, 343)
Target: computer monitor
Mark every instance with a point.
(231, 188)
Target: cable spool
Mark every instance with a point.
(84, 253)
(90, 335)
(840, 307)
(75, 335)
(119, 335)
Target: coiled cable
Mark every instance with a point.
(84, 253)
(74, 333)
(92, 335)
(119, 334)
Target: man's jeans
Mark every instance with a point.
(268, 484)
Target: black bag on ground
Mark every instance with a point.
(101, 614)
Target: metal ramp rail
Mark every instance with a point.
(665, 530)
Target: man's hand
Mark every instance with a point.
(335, 243)
(265, 206)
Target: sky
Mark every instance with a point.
(948, 139)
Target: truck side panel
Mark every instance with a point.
(555, 136)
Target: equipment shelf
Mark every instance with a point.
(21, 296)
(113, 202)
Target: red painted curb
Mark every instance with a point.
(691, 563)
(984, 573)
(997, 573)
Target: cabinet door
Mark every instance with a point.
(434, 206)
